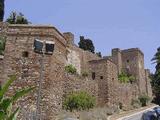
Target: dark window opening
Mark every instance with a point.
(93, 75)
(112, 79)
(127, 61)
(25, 54)
(101, 77)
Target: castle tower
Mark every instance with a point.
(117, 58)
(133, 63)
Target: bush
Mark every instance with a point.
(78, 101)
(70, 69)
(126, 78)
(144, 99)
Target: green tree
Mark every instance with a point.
(6, 111)
(1, 10)
(86, 44)
(156, 77)
(144, 99)
(15, 18)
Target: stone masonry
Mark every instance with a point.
(102, 81)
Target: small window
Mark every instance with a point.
(25, 54)
(101, 77)
(127, 61)
(93, 75)
(112, 79)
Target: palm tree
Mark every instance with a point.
(6, 111)
(156, 77)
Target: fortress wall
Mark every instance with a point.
(80, 58)
(20, 39)
(74, 83)
(112, 78)
(106, 76)
(98, 67)
(133, 62)
(127, 93)
(56, 82)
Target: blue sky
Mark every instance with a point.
(109, 23)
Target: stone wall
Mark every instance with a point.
(20, 39)
(105, 73)
(56, 83)
(148, 83)
(78, 57)
(127, 93)
(75, 83)
(133, 62)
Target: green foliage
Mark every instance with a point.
(6, 111)
(15, 18)
(1, 10)
(126, 78)
(78, 101)
(85, 74)
(2, 45)
(86, 44)
(156, 77)
(70, 69)
(144, 99)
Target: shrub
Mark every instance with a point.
(70, 69)
(78, 101)
(144, 99)
(126, 78)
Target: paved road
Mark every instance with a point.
(135, 116)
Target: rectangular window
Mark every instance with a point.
(93, 75)
(101, 77)
(25, 54)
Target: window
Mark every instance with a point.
(101, 77)
(93, 75)
(127, 61)
(25, 54)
